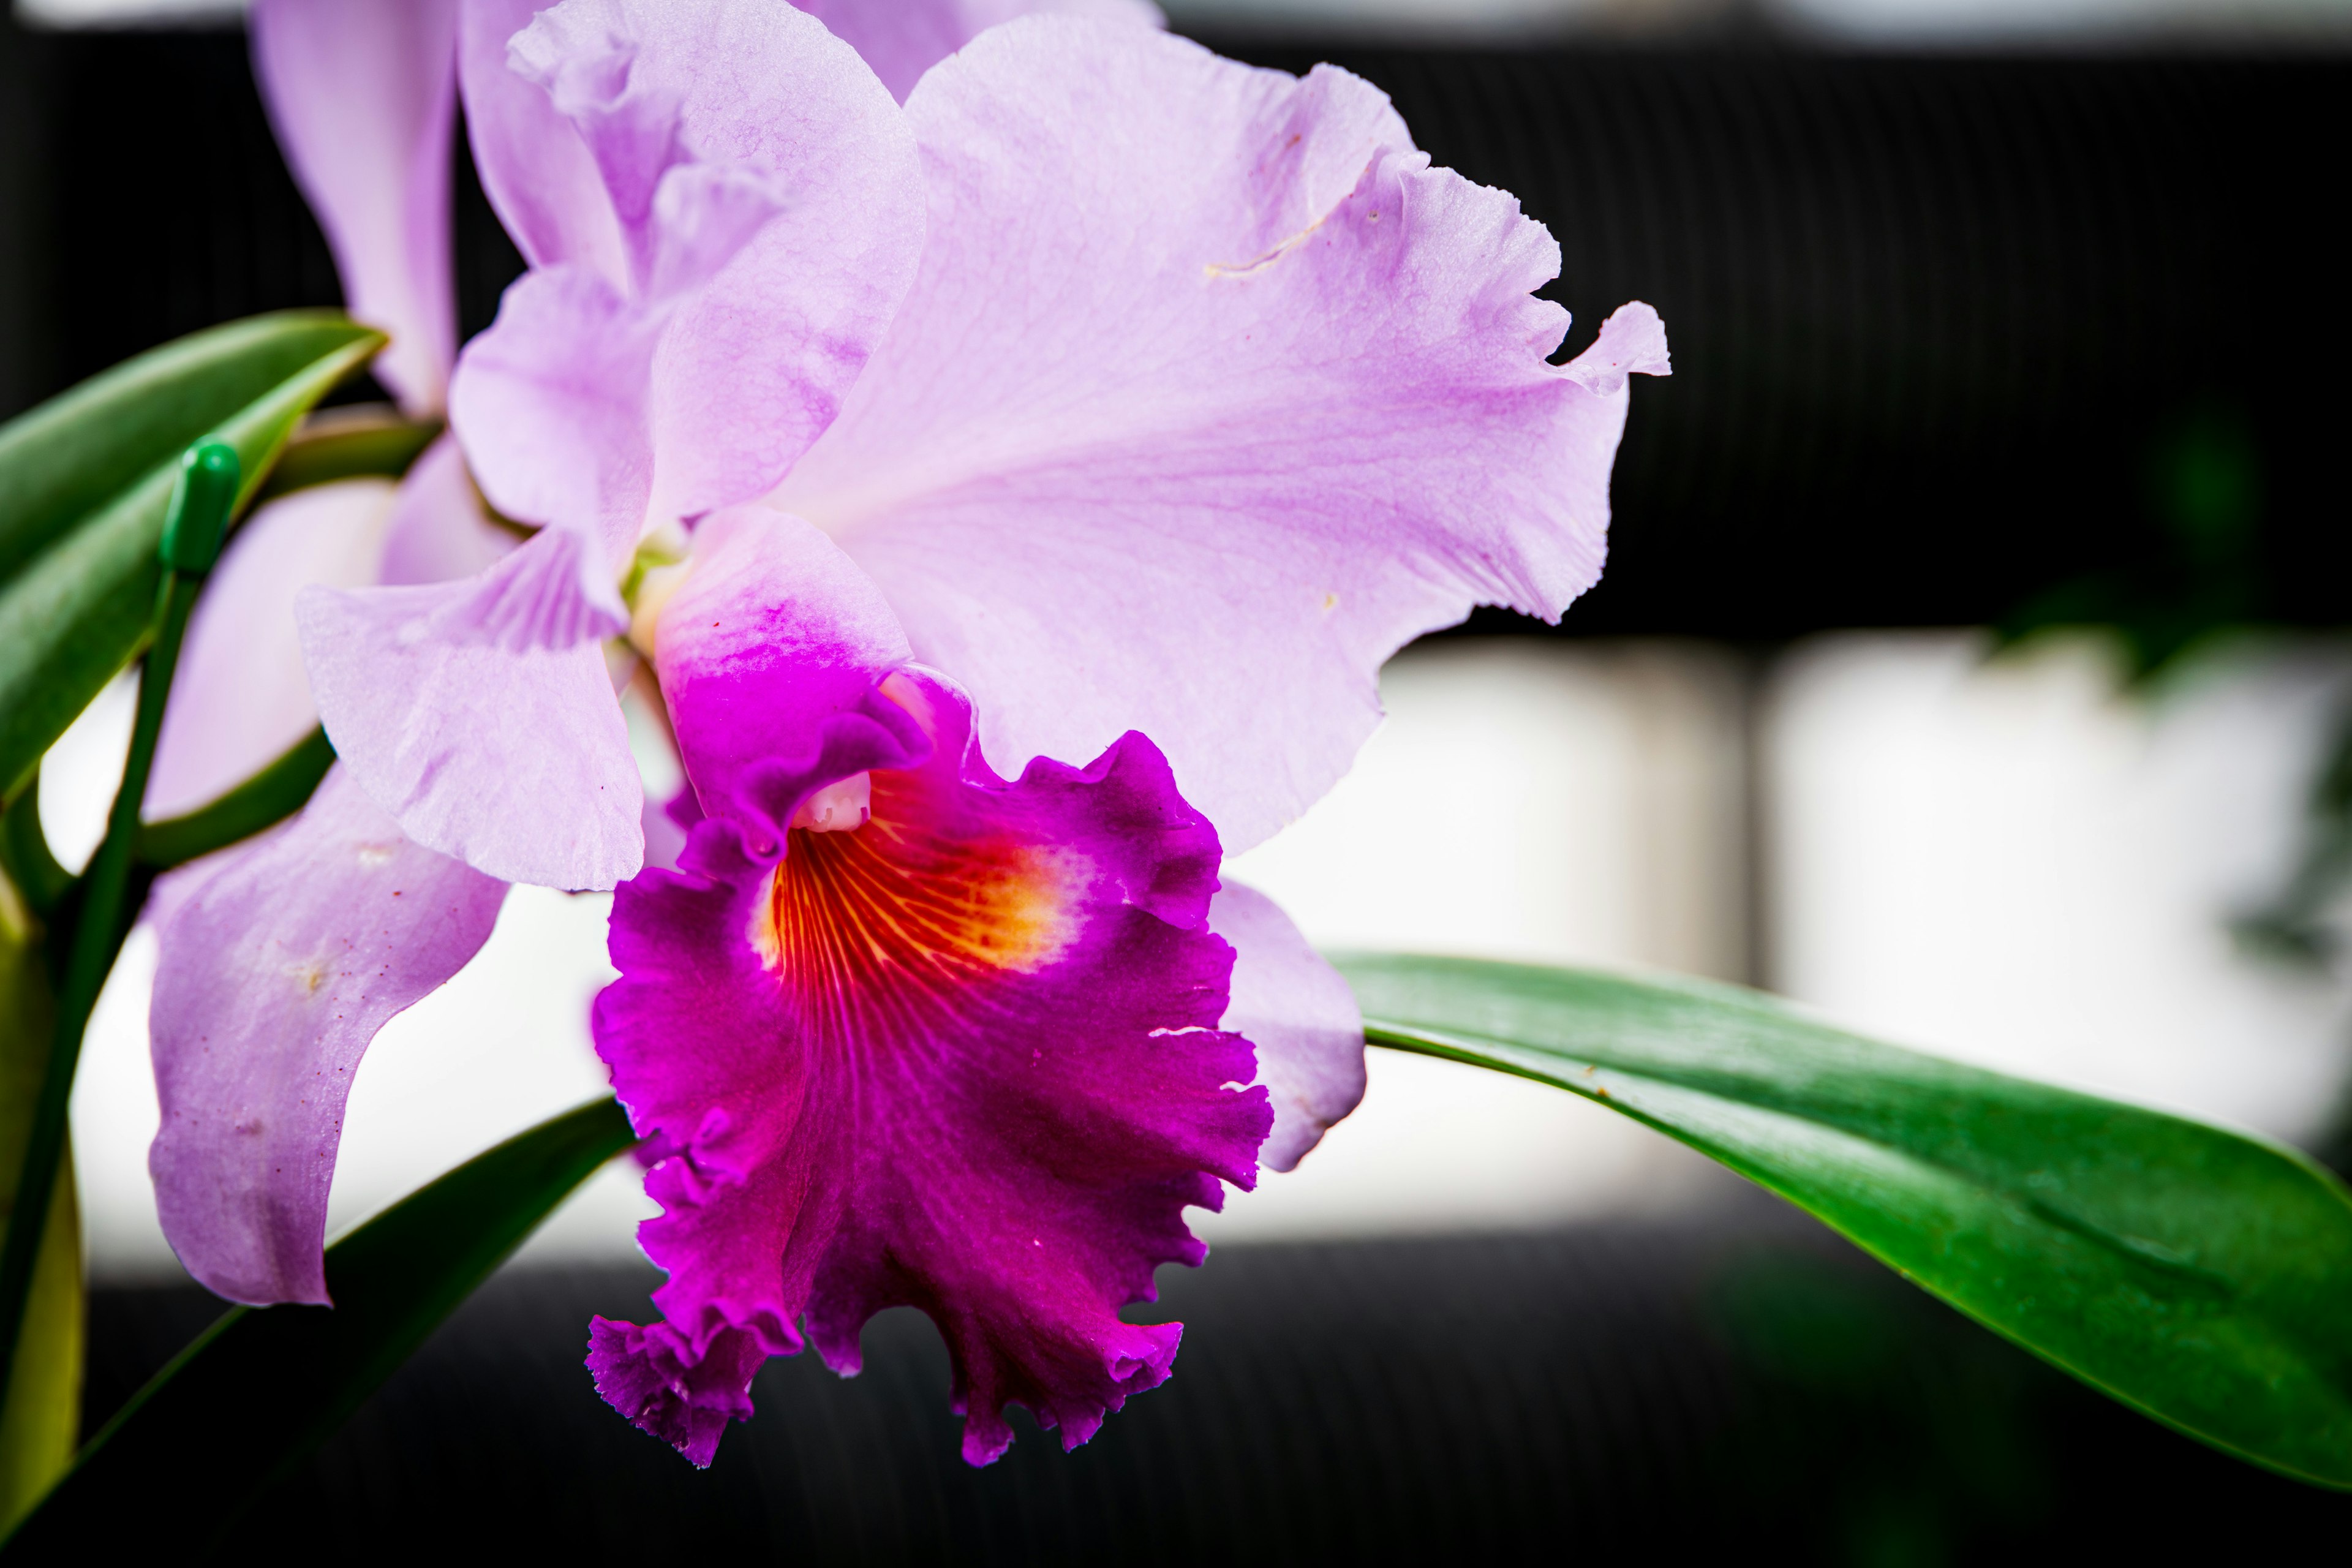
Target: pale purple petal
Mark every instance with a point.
(481, 716)
(1211, 395)
(1631, 342)
(535, 169)
(550, 404)
(664, 834)
(1301, 1016)
(964, 1057)
(240, 698)
(275, 975)
(901, 39)
(756, 217)
(362, 94)
(439, 530)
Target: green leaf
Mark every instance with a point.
(2201, 1276)
(90, 475)
(373, 442)
(26, 858)
(242, 1406)
(268, 797)
(72, 455)
(42, 1412)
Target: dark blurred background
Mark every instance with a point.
(1743, 1390)
(1952, 332)
(1976, 334)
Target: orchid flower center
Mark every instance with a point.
(840, 807)
(655, 572)
(915, 894)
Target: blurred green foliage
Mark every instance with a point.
(2199, 570)
(1937, 1433)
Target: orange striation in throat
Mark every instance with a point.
(906, 906)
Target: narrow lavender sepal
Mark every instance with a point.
(275, 975)
(549, 404)
(362, 95)
(538, 175)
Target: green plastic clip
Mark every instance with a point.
(201, 499)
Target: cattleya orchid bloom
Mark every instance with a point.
(1105, 400)
(364, 916)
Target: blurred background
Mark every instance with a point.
(1968, 666)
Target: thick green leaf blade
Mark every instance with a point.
(76, 611)
(41, 1415)
(372, 442)
(260, 1389)
(2201, 1276)
(70, 457)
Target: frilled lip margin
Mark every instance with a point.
(965, 1058)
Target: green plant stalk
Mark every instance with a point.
(98, 935)
(266, 799)
(191, 544)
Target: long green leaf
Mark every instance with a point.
(2201, 1276)
(77, 611)
(258, 1390)
(374, 442)
(42, 1412)
(72, 455)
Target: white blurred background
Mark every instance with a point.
(2006, 860)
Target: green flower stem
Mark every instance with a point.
(268, 797)
(191, 539)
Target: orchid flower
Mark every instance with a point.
(1108, 400)
(253, 1074)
